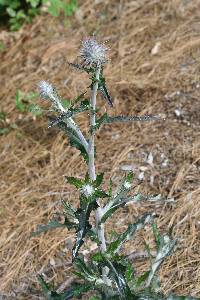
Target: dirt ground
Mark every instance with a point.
(154, 69)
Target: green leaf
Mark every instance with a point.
(148, 251)
(103, 89)
(74, 139)
(77, 99)
(80, 288)
(4, 131)
(157, 235)
(78, 183)
(84, 270)
(45, 287)
(123, 288)
(49, 294)
(83, 215)
(2, 46)
(118, 200)
(140, 197)
(100, 194)
(129, 177)
(35, 110)
(2, 116)
(18, 102)
(110, 212)
(68, 209)
(11, 12)
(31, 96)
(75, 142)
(92, 234)
(66, 103)
(70, 7)
(129, 274)
(165, 249)
(110, 188)
(105, 119)
(70, 215)
(102, 120)
(87, 178)
(84, 106)
(142, 279)
(98, 180)
(34, 3)
(97, 257)
(44, 228)
(54, 8)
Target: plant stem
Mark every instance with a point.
(92, 173)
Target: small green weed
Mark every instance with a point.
(14, 13)
(5, 126)
(25, 103)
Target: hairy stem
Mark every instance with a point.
(91, 166)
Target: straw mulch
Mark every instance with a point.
(154, 69)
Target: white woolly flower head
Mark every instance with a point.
(47, 91)
(93, 53)
(87, 190)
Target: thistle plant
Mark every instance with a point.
(107, 273)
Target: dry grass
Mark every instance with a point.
(33, 163)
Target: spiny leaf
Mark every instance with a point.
(78, 183)
(100, 194)
(157, 235)
(110, 188)
(77, 99)
(74, 139)
(49, 294)
(70, 215)
(98, 180)
(131, 118)
(84, 106)
(87, 178)
(93, 235)
(129, 273)
(142, 278)
(111, 211)
(83, 215)
(129, 177)
(123, 288)
(81, 288)
(69, 209)
(118, 200)
(85, 271)
(165, 248)
(103, 89)
(105, 119)
(82, 68)
(76, 290)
